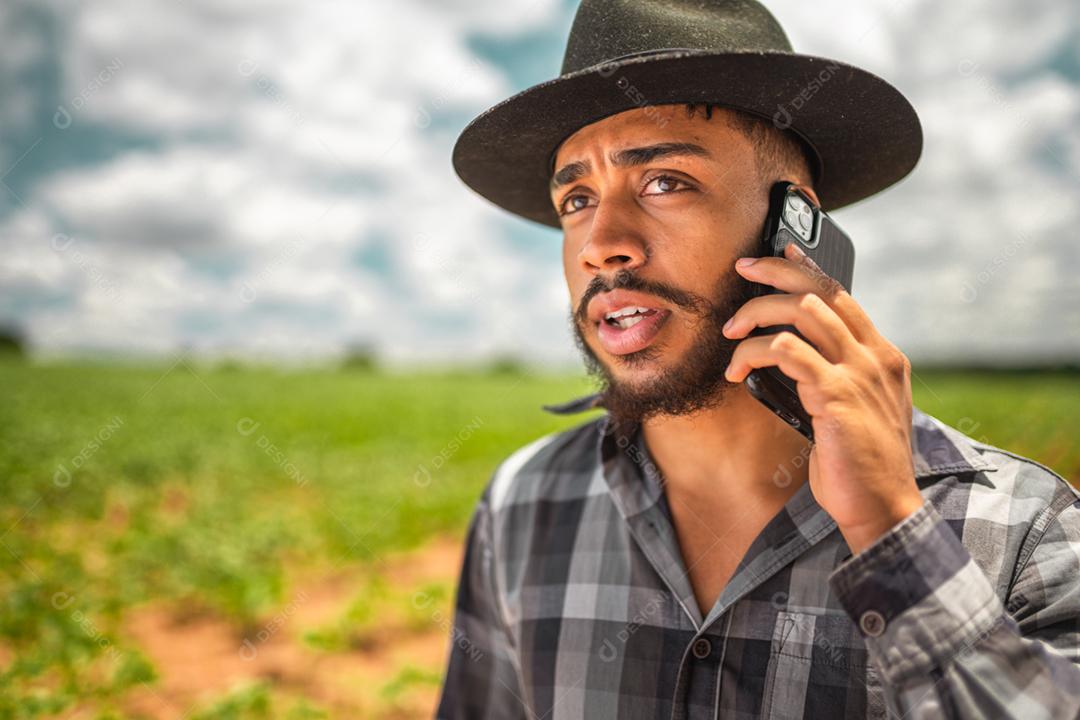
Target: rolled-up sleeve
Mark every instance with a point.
(944, 642)
(481, 679)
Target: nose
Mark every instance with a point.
(613, 243)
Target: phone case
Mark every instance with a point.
(834, 253)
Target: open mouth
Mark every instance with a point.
(630, 329)
(628, 317)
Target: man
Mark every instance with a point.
(687, 554)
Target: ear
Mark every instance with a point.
(810, 192)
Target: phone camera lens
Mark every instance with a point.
(791, 218)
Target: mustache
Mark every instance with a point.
(627, 280)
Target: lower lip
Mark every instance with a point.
(618, 341)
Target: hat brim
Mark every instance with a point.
(865, 132)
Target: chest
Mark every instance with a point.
(713, 540)
(598, 633)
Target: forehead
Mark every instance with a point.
(647, 125)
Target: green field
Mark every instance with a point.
(218, 490)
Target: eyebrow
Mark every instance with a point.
(628, 157)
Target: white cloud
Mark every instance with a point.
(972, 255)
(293, 194)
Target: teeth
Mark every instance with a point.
(628, 310)
(630, 322)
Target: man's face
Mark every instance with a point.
(661, 231)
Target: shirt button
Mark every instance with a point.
(872, 623)
(701, 648)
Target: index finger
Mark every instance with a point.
(833, 292)
(796, 272)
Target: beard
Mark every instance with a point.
(691, 383)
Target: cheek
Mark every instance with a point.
(711, 258)
(572, 243)
(694, 265)
(575, 290)
(573, 272)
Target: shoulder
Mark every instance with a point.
(998, 501)
(555, 466)
(1037, 495)
(944, 450)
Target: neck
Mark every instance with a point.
(737, 453)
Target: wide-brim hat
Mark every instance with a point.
(861, 132)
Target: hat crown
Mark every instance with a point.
(605, 30)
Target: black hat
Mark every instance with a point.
(625, 54)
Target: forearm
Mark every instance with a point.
(941, 637)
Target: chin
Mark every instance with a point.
(640, 369)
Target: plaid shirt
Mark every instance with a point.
(574, 601)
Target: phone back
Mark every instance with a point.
(833, 252)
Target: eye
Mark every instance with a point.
(567, 200)
(666, 183)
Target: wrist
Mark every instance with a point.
(861, 536)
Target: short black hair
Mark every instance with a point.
(778, 150)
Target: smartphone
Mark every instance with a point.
(794, 217)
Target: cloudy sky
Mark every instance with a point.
(274, 179)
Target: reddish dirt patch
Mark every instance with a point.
(201, 658)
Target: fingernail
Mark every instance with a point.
(798, 250)
(727, 325)
(746, 261)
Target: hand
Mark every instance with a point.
(855, 385)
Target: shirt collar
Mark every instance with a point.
(937, 449)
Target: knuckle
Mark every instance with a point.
(895, 363)
(810, 302)
(901, 363)
(783, 341)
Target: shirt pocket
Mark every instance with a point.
(818, 667)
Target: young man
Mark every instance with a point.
(688, 554)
